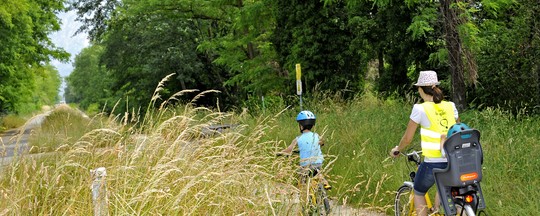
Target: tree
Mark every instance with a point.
(412, 41)
(318, 38)
(25, 48)
(245, 49)
(94, 15)
(48, 84)
(402, 37)
(90, 82)
(509, 73)
(149, 40)
(459, 55)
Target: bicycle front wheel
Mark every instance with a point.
(404, 201)
(322, 201)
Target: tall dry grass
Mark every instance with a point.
(169, 165)
(11, 121)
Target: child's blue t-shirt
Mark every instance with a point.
(310, 150)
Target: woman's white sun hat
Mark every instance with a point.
(427, 78)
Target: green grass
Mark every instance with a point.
(168, 165)
(360, 133)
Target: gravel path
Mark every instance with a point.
(15, 141)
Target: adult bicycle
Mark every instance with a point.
(458, 184)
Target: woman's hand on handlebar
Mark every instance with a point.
(394, 152)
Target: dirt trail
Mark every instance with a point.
(13, 142)
(291, 204)
(347, 210)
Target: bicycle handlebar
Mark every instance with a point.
(414, 153)
(413, 156)
(287, 154)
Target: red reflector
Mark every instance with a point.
(468, 198)
(469, 176)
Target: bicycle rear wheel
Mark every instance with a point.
(465, 208)
(403, 203)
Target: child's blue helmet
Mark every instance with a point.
(306, 118)
(457, 128)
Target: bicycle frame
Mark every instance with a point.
(412, 210)
(466, 197)
(415, 157)
(313, 194)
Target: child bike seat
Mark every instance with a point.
(464, 170)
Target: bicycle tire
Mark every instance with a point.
(325, 201)
(403, 203)
(466, 209)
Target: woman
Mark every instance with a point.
(435, 117)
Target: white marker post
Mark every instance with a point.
(99, 192)
(299, 83)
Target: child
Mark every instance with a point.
(309, 145)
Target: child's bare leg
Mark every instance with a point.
(437, 203)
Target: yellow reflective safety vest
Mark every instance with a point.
(441, 117)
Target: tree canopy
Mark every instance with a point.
(481, 50)
(25, 51)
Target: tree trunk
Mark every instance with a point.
(453, 44)
(380, 57)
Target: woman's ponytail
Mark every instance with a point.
(437, 94)
(434, 91)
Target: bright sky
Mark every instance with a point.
(66, 39)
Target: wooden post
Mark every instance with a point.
(99, 192)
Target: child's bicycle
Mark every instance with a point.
(458, 185)
(313, 187)
(313, 197)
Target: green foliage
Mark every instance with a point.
(48, 84)
(25, 50)
(246, 51)
(318, 38)
(145, 41)
(423, 22)
(249, 48)
(90, 82)
(94, 16)
(509, 75)
(397, 36)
